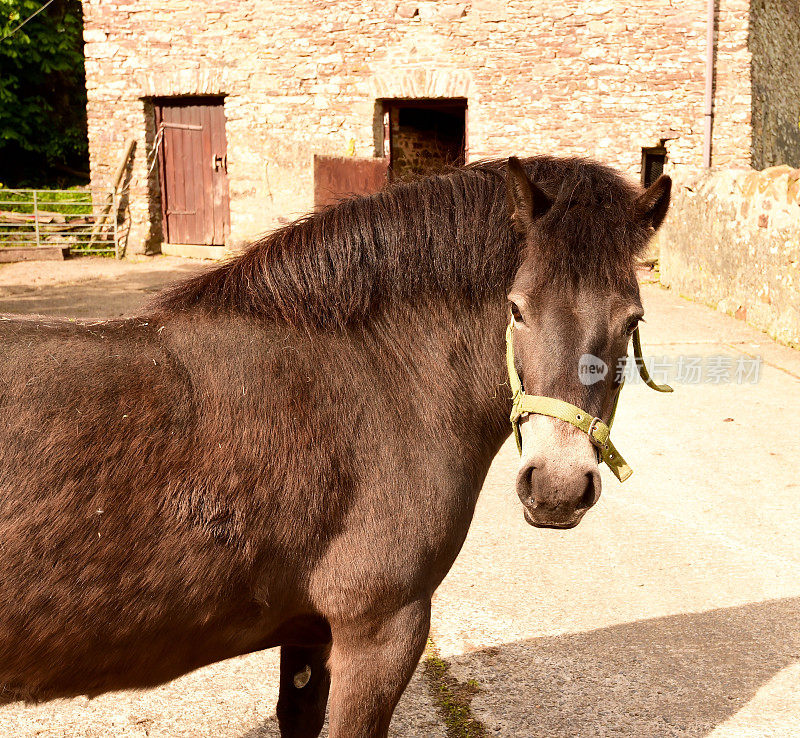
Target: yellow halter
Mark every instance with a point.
(599, 433)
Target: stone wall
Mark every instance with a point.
(597, 78)
(732, 240)
(775, 47)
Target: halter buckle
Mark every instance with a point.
(592, 427)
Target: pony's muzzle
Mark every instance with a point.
(557, 503)
(558, 486)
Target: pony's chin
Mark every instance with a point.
(553, 525)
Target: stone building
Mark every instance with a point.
(230, 101)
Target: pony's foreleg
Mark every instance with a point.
(371, 664)
(303, 696)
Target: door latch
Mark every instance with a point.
(220, 162)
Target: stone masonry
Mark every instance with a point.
(731, 240)
(774, 44)
(598, 78)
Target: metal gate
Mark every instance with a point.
(193, 164)
(40, 224)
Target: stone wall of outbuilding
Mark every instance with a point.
(732, 240)
(775, 47)
(583, 77)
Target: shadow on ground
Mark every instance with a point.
(681, 675)
(100, 298)
(678, 675)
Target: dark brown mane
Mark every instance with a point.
(448, 234)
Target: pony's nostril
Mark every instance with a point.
(589, 496)
(525, 483)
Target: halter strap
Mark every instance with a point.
(599, 433)
(643, 373)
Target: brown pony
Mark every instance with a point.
(287, 450)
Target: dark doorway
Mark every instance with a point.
(424, 136)
(653, 160)
(193, 168)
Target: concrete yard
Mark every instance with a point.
(673, 609)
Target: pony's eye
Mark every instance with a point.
(515, 313)
(631, 325)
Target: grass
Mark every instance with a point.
(453, 698)
(75, 201)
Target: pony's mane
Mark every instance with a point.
(448, 235)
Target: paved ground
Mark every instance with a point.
(87, 287)
(672, 610)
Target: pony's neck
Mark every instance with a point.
(453, 362)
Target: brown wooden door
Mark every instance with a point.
(194, 170)
(337, 177)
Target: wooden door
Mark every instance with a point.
(336, 177)
(194, 170)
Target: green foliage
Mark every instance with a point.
(42, 92)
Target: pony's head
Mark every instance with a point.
(574, 305)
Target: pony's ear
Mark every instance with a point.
(652, 205)
(526, 201)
